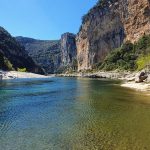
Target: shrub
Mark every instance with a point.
(143, 42)
(122, 58)
(129, 56)
(143, 62)
(8, 64)
(22, 69)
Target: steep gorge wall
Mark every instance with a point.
(107, 26)
(52, 55)
(45, 53)
(68, 48)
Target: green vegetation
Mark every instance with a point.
(22, 69)
(129, 56)
(122, 58)
(74, 64)
(5, 64)
(143, 62)
(8, 64)
(1, 60)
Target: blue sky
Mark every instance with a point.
(43, 19)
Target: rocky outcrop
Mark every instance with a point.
(109, 24)
(46, 53)
(14, 56)
(68, 49)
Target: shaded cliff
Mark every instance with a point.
(14, 56)
(107, 26)
(44, 52)
(68, 50)
(55, 56)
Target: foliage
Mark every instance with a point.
(122, 58)
(8, 64)
(129, 56)
(74, 64)
(5, 64)
(143, 62)
(22, 69)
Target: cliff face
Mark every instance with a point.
(107, 26)
(52, 55)
(14, 55)
(68, 49)
(45, 53)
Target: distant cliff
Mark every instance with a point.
(44, 52)
(68, 50)
(107, 26)
(53, 55)
(14, 56)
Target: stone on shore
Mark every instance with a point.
(141, 77)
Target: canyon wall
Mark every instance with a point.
(107, 25)
(14, 56)
(45, 53)
(52, 55)
(68, 49)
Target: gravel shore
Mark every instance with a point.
(128, 78)
(20, 75)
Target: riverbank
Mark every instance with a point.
(128, 78)
(137, 86)
(20, 75)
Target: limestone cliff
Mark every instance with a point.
(68, 49)
(107, 25)
(53, 55)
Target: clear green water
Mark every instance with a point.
(72, 114)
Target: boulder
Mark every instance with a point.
(140, 77)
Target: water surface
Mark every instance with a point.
(72, 114)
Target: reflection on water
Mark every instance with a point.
(70, 113)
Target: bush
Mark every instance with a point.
(122, 58)
(8, 64)
(22, 69)
(143, 44)
(5, 64)
(143, 62)
(129, 56)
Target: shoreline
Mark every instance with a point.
(145, 87)
(128, 78)
(10, 75)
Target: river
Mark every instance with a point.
(72, 114)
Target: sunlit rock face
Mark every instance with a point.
(107, 25)
(68, 48)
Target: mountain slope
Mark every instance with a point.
(45, 53)
(55, 56)
(14, 56)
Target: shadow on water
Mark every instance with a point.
(72, 113)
